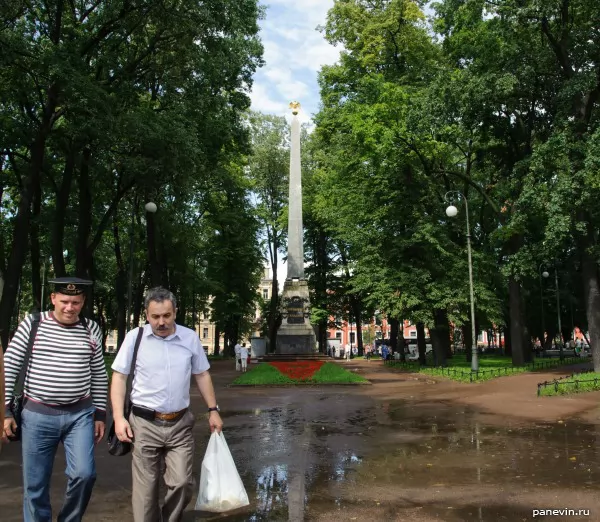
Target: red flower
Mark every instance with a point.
(298, 370)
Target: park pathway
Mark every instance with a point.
(408, 447)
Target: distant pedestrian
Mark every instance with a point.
(238, 362)
(244, 357)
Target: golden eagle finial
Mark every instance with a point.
(295, 106)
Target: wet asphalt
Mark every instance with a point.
(343, 453)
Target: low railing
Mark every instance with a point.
(568, 380)
(484, 373)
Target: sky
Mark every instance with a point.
(294, 52)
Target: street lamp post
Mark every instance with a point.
(558, 312)
(544, 275)
(452, 211)
(130, 286)
(151, 209)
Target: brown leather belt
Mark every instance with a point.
(169, 416)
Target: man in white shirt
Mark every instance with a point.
(244, 357)
(161, 422)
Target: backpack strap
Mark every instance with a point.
(35, 322)
(136, 347)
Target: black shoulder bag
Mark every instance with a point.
(115, 446)
(16, 405)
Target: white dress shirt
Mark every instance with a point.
(164, 367)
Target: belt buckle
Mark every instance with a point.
(167, 416)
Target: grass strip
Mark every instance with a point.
(577, 383)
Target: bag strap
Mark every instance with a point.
(35, 322)
(136, 347)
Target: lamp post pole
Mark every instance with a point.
(543, 339)
(452, 211)
(130, 286)
(558, 311)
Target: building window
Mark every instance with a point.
(352, 337)
(265, 293)
(338, 335)
(413, 334)
(205, 333)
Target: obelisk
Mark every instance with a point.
(295, 335)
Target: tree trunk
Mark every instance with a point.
(216, 341)
(62, 204)
(84, 224)
(20, 234)
(440, 337)
(394, 327)
(468, 340)
(421, 344)
(507, 341)
(357, 311)
(138, 298)
(516, 322)
(274, 318)
(34, 251)
(591, 293)
(155, 272)
(401, 340)
(120, 285)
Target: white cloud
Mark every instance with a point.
(263, 101)
(294, 53)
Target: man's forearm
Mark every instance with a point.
(118, 388)
(205, 386)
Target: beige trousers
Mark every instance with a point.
(154, 443)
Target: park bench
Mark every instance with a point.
(555, 352)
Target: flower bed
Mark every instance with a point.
(298, 373)
(298, 370)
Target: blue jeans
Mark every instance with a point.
(40, 439)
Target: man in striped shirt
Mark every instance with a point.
(65, 392)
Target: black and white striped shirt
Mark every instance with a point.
(66, 364)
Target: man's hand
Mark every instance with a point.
(99, 428)
(123, 430)
(215, 422)
(10, 427)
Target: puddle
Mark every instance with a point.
(391, 460)
(325, 457)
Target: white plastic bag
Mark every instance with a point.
(221, 488)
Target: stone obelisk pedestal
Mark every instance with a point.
(295, 336)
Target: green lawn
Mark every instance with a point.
(490, 367)
(579, 383)
(330, 373)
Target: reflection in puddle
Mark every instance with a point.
(384, 463)
(271, 487)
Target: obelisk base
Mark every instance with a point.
(296, 336)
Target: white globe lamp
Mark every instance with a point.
(451, 211)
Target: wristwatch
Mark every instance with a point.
(216, 408)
